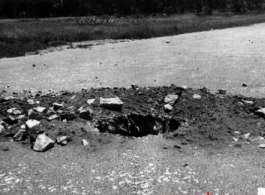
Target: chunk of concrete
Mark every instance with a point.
(168, 108)
(43, 143)
(111, 103)
(84, 142)
(197, 96)
(30, 124)
(90, 101)
(171, 99)
(40, 109)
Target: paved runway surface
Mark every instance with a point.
(215, 59)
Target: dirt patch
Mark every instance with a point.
(197, 116)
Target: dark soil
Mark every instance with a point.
(210, 120)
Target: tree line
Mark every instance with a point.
(58, 8)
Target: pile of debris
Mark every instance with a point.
(178, 112)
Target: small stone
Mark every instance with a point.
(244, 85)
(246, 136)
(9, 98)
(2, 129)
(59, 140)
(16, 112)
(235, 139)
(171, 99)
(57, 106)
(30, 101)
(237, 133)
(196, 96)
(85, 113)
(21, 116)
(21, 135)
(262, 145)
(167, 41)
(168, 108)
(111, 103)
(248, 102)
(90, 101)
(84, 142)
(64, 143)
(40, 109)
(52, 117)
(30, 124)
(11, 110)
(140, 93)
(43, 143)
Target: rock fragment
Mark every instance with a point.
(260, 112)
(54, 116)
(111, 103)
(30, 101)
(40, 109)
(43, 143)
(10, 120)
(90, 101)
(248, 102)
(2, 129)
(57, 106)
(63, 140)
(84, 142)
(196, 96)
(171, 99)
(30, 124)
(85, 113)
(261, 191)
(168, 108)
(262, 145)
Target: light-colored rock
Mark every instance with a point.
(237, 133)
(235, 139)
(90, 101)
(30, 101)
(63, 143)
(84, 142)
(21, 116)
(10, 111)
(262, 145)
(16, 112)
(40, 109)
(23, 126)
(9, 98)
(246, 136)
(184, 87)
(20, 135)
(61, 139)
(52, 117)
(171, 99)
(261, 191)
(260, 112)
(30, 124)
(2, 129)
(111, 103)
(168, 107)
(43, 143)
(197, 96)
(248, 102)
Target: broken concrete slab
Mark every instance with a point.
(171, 99)
(111, 103)
(43, 143)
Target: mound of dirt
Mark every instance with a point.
(195, 115)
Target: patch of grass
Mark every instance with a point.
(19, 36)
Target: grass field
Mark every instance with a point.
(18, 36)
